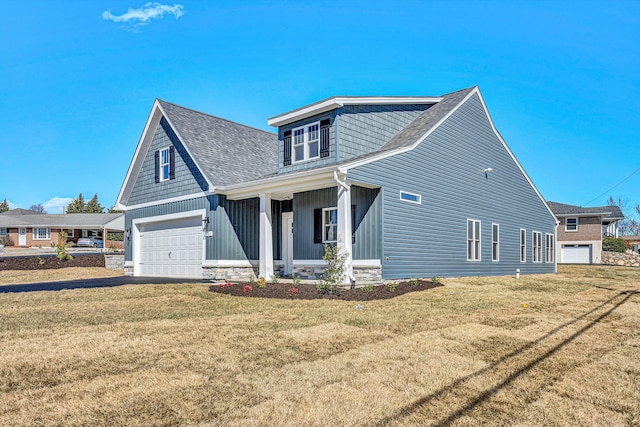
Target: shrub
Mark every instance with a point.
(62, 247)
(335, 273)
(413, 282)
(262, 282)
(296, 281)
(367, 289)
(437, 280)
(392, 286)
(293, 291)
(275, 279)
(246, 289)
(613, 244)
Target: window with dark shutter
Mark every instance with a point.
(324, 138)
(157, 160)
(172, 162)
(287, 148)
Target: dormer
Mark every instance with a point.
(340, 128)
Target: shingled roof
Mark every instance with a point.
(75, 220)
(227, 152)
(609, 212)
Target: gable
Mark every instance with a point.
(187, 177)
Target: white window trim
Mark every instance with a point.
(566, 224)
(162, 164)
(305, 143)
(4, 232)
(523, 245)
(35, 232)
(418, 202)
(495, 255)
(475, 256)
(549, 247)
(324, 224)
(70, 232)
(536, 247)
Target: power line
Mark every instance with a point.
(626, 178)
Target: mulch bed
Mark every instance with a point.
(308, 291)
(45, 262)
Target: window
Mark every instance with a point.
(4, 231)
(306, 142)
(329, 225)
(41, 233)
(571, 224)
(495, 242)
(549, 247)
(410, 197)
(70, 232)
(473, 240)
(165, 163)
(523, 245)
(536, 246)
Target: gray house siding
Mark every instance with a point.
(310, 164)
(446, 169)
(188, 179)
(366, 128)
(367, 214)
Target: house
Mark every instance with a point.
(581, 230)
(21, 227)
(405, 186)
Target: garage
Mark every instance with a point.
(576, 254)
(171, 248)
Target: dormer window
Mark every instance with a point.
(305, 142)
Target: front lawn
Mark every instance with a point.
(542, 350)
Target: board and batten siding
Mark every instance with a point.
(366, 128)
(367, 204)
(447, 170)
(188, 179)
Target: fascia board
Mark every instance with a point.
(296, 182)
(336, 102)
(136, 162)
(582, 215)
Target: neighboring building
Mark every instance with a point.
(20, 227)
(581, 230)
(405, 186)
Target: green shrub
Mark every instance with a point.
(335, 273)
(62, 247)
(413, 282)
(613, 244)
(367, 289)
(392, 286)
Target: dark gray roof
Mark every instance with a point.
(609, 212)
(79, 220)
(20, 211)
(227, 152)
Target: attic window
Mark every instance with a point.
(165, 161)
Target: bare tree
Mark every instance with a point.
(38, 208)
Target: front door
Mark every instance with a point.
(22, 237)
(287, 242)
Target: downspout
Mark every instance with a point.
(555, 245)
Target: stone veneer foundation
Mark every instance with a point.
(362, 274)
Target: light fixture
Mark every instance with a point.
(486, 172)
(205, 222)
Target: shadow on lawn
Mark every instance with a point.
(482, 397)
(105, 282)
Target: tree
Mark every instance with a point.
(628, 226)
(94, 205)
(4, 206)
(38, 208)
(114, 210)
(77, 205)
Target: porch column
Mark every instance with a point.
(345, 227)
(266, 237)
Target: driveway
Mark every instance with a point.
(105, 282)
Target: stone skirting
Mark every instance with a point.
(362, 274)
(229, 273)
(114, 262)
(628, 258)
(128, 270)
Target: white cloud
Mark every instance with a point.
(144, 14)
(55, 204)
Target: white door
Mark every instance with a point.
(22, 237)
(576, 254)
(171, 248)
(287, 242)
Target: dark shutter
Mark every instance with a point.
(324, 138)
(157, 158)
(353, 224)
(172, 162)
(317, 225)
(287, 148)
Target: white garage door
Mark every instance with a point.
(171, 248)
(576, 254)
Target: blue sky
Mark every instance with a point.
(78, 79)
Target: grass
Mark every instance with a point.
(12, 277)
(468, 353)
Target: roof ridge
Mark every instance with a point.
(215, 117)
